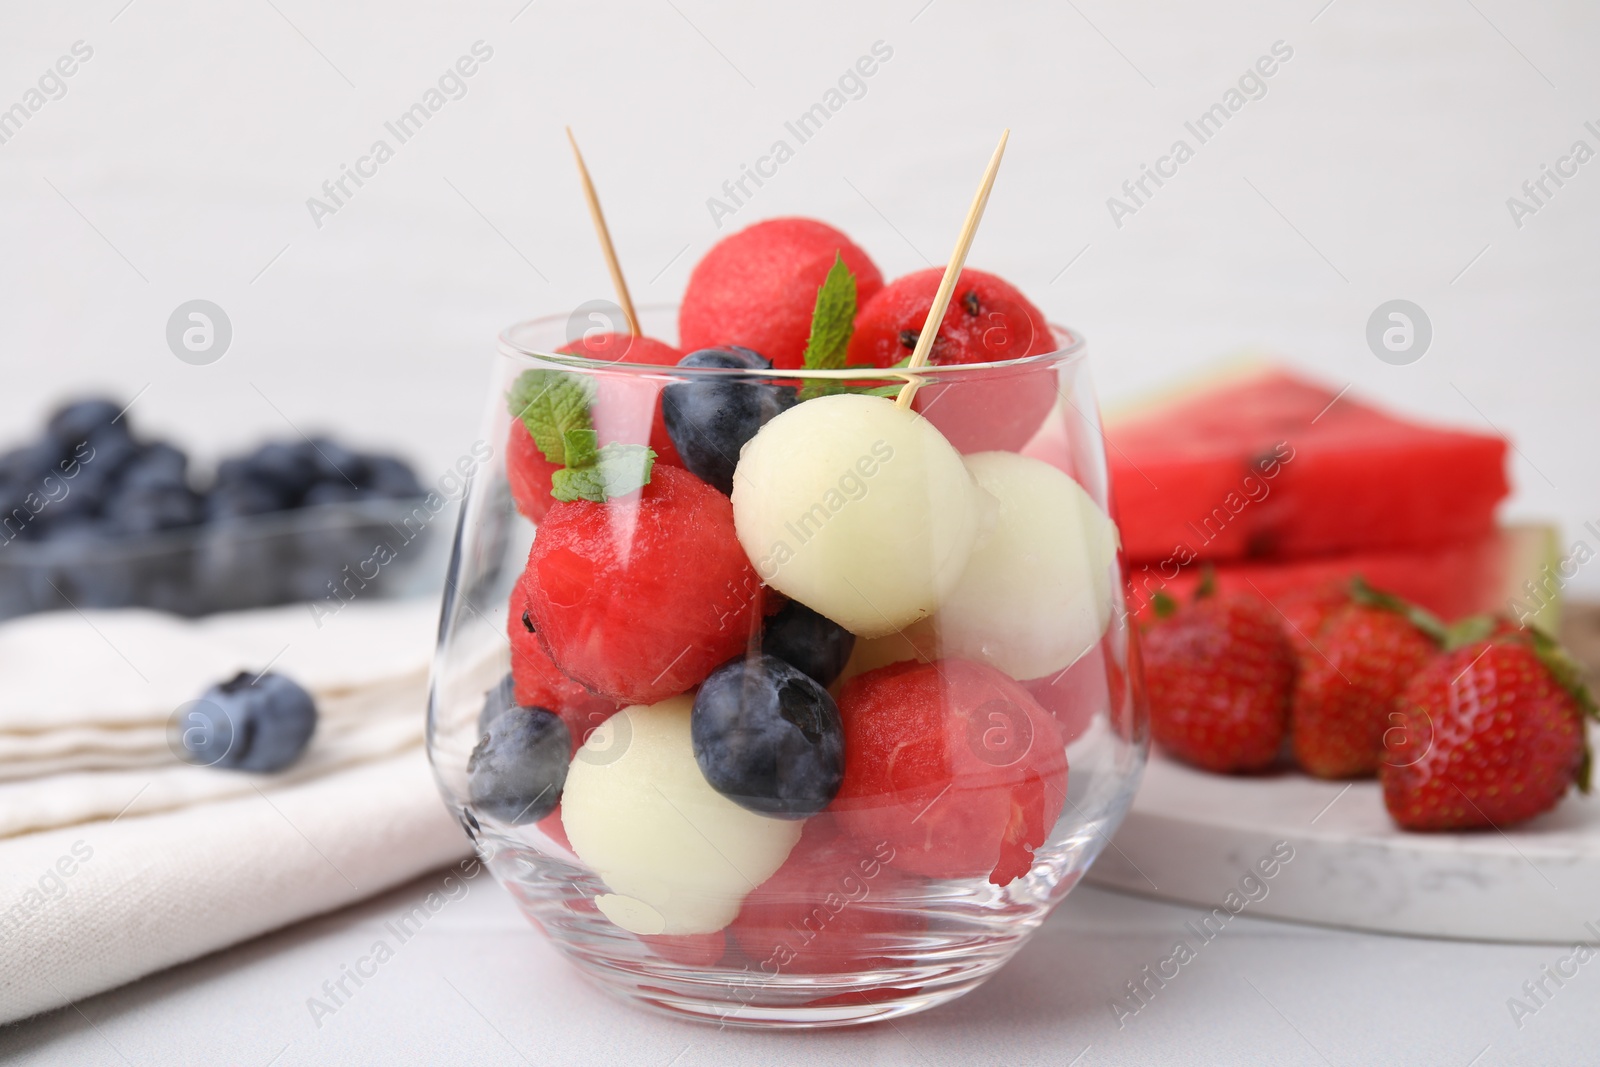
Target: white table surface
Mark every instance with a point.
(479, 984)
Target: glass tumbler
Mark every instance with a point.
(773, 701)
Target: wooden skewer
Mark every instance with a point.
(952, 272)
(612, 263)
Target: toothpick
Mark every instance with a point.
(952, 272)
(600, 229)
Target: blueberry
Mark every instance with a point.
(496, 702)
(249, 723)
(291, 468)
(331, 493)
(74, 422)
(517, 772)
(390, 477)
(768, 738)
(242, 497)
(709, 421)
(814, 643)
(140, 510)
(158, 464)
(336, 463)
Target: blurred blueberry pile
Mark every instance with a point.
(92, 515)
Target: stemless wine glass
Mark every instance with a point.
(989, 749)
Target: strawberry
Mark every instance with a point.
(1489, 734)
(1353, 668)
(1219, 673)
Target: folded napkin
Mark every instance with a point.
(117, 859)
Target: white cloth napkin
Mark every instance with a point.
(117, 860)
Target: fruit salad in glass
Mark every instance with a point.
(775, 691)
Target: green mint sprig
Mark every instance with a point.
(556, 406)
(832, 324)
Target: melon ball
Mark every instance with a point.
(857, 509)
(1036, 593)
(678, 856)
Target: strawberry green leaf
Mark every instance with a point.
(549, 403)
(1420, 617)
(1563, 668)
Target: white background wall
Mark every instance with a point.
(1376, 167)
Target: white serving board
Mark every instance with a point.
(1192, 837)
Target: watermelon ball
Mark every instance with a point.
(952, 763)
(528, 472)
(516, 772)
(988, 320)
(758, 287)
(538, 682)
(858, 509)
(710, 420)
(1037, 593)
(625, 405)
(834, 907)
(641, 597)
(814, 643)
(768, 737)
(626, 402)
(678, 856)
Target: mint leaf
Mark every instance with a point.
(616, 470)
(582, 447)
(549, 403)
(832, 318)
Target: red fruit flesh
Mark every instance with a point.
(1452, 581)
(693, 950)
(1275, 465)
(1485, 737)
(758, 288)
(953, 765)
(539, 683)
(627, 408)
(528, 472)
(1350, 677)
(626, 403)
(1093, 684)
(832, 908)
(988, 320)
(641, 597)
(1219, 674)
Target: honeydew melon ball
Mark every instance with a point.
(678, 856)
(1036, 593)
(861, 511)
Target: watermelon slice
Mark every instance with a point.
(1270, 465)
(1507, 571)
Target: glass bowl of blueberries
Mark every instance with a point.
(94, 515)
(787, 688)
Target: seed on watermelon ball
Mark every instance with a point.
(988, 320)
(516, 772)
(641, 597)
(815, 644)
(835, 906)
(678, 856)
(1037, 592)
(709, 421)
(768, 737)
(857, 509)
(953, 764)
(758, 287)
(538, 682)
